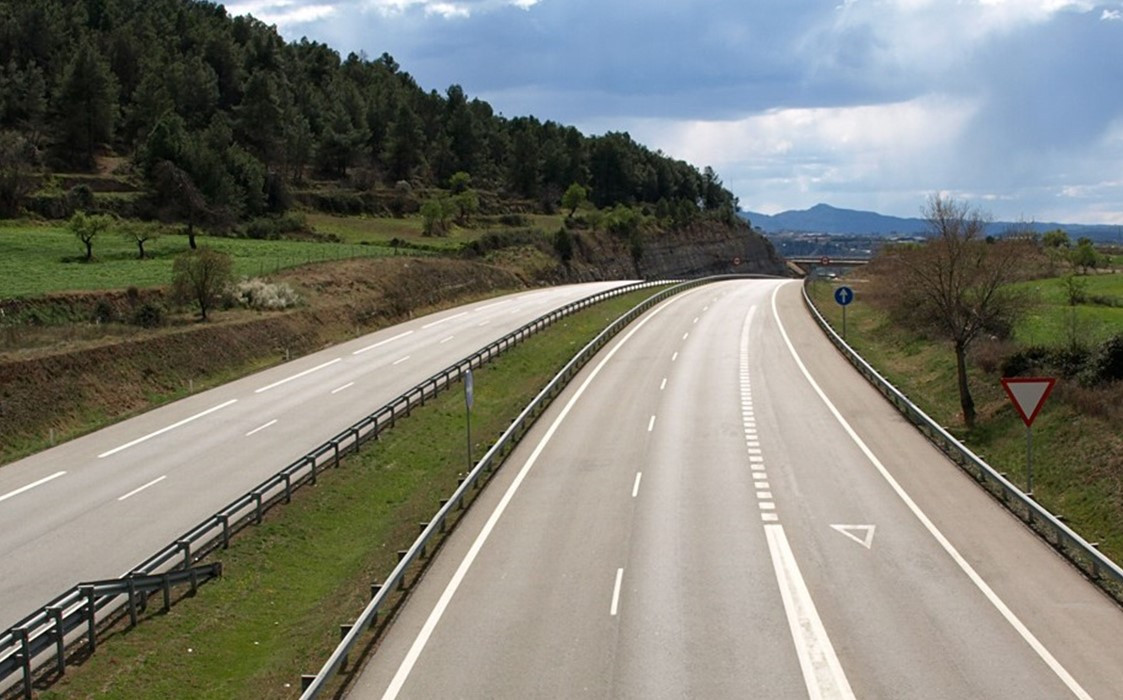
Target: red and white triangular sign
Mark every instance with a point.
(1028, 394)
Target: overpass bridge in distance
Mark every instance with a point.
(822, 264)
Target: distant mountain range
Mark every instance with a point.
(823, 218)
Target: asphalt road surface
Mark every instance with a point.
(719, 506)
(96, 506)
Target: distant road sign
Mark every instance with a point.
(469, 389)
(844, 295)
(824, 260)
(736, 261)
(1028, 394)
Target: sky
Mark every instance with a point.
(1014, 106)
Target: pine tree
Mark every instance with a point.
(85, 106)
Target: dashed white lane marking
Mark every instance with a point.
(483, 323)
(380, 343)
(138, 490)
(943, 541)
(445, 340)
(685, 336)
(616, 592)
(263, 427)
(635, 486)
(163, 430)
(674, 357)
(400, 360)
(651, 424)
(663, 385)
(30, 486)
(498, 303)
(822, 672)
(298, 375)
(442, 320)
(338, 389)
(696, 319)
(442, 604)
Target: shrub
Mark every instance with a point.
(148, 315)
(104, 312)
(258, 294)
(1105, 364)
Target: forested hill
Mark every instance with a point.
(221, 118)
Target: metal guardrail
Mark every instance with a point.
(216, 531)
(312, 686)
(1102, 571)
(41, 638)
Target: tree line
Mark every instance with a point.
(222, 118)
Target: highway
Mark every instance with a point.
(719, 506)
(96, 506)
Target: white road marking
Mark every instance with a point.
(685, 335)
(635, 486)
(263, 427)
(769, 517)
(674, 357)
(298, 375)
(767, 505)
(943, 541)
(445, 340)
(401, 360)
(616, 593)
(161, 431)
(696, 319)
(498, 303)
(435, 615)
(822, 673)
(764, 495)
(483, 323)
(338, 389)
(663, 385)
(31, 486)
(651, 424)
(866, 540)
(381, 343)
(138, 490)
(446, 318)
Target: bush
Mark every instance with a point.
(1105, 364)
(104, 312)
(149, 315)
(258, 294)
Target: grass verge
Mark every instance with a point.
(1077, 458)
(289, 583)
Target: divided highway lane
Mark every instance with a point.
(95, 506)
(690, 519)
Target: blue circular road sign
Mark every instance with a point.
(844, 295)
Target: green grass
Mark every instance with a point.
(1078, 458)
(289, 583)
(36, 260)
(381, 230)
(1052, 320)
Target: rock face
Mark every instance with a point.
(702, 249)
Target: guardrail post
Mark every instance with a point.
(91, 609)
(343, 630)
(335, 444)
(306, 681)
(24, 656)
(130, 584)
(356, 431)
(288, 485)
(166, 586)
(224, 518)
(257, 510)
(421, 528)
(60, 642)
(185, 545)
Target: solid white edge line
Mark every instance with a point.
(616, 593)
(447, 318)
(381, 343)
(338, 389)
(948, 547)
(138, 490)
(161, 431)
(635, 486)
(435, 615)
(31, 486)
(822, 672)
(298, 375)
(263, 427)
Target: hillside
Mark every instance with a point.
(823, 218)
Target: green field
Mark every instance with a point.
(381, 230)
(1051, 321)
(39, 259)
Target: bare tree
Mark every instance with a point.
(200, 276)
(956, 285)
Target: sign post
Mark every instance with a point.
(1028, 395)
(469, 399)
(844, 295)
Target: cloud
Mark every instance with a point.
(283, 13)
(1112, 16)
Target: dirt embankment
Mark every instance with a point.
(75, 390)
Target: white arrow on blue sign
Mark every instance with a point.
(844, 295)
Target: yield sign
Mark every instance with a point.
(1028, 394)
(862, 534)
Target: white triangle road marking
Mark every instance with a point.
(866, 540)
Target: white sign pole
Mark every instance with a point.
(469, 391)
